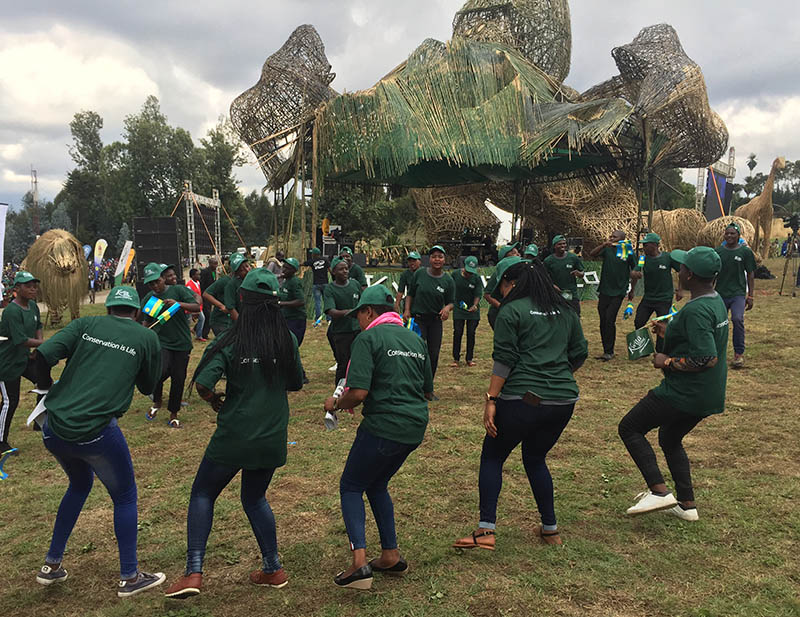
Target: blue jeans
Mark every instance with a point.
(538, 428)
(736, 306)
(201, 322)
(316, 291)
(370, 465)
(211, 478)
(106, 455)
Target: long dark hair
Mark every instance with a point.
(260, 332)
(532, 281)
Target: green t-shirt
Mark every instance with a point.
(616, 272)
(292, 289)
(174, 333)
(466, 290)
(252, 423)
(232, 299)
(17, 325)
(342, 297)
(657, 272)
(358, 274)
(107, 357)
(404, 282)
(539, 349)
(493, 289)
(431, 293)
(218, 320)
(560, 268)
(700, 329)
(732, 281)
(393, 364)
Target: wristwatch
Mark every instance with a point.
(491, 398)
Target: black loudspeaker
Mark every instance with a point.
(159, 240)
(360, 259)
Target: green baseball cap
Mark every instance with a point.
(316, 251)
(702, 260)
(122, 295)
(153, 271)
(471, 264)
(346, 249)
(236, 260)
(531, 250)
(261, 281)
(292, 262)
(437, 247)
(413, 255)
(377, 294)
(23, 276)
(736, 226)
(558, 239)
(505, 250)
(335, 262)
(651, 237)
(505, 264)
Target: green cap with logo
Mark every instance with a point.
(471, 264)
(505, 264)
(153, 271)
(735, 226)
(122, 295)
(377, 294)
(558, 239)
(437, 247)
(413, 255)
(702, 260)
(346, 249)
(651, 237)
(316, 251)
(23, 276)
(335, 262)
(531, 251)
(505, 250)
(292, 262)
(236, 260)
(261, 281)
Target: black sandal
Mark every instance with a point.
(472, 541)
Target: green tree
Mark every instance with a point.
(59, 219)
(123, 236)
(672, 192)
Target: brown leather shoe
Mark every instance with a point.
(276, 579)
(549, 537)
(186, 586)
(481, 538)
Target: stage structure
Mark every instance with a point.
(488, 112)
(202, 212)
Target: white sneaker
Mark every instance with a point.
(650, 502)
(689, 514)
(333, 368)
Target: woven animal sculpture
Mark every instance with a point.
(678, 228)
(56, 259)
(712, 233)
(759, 211)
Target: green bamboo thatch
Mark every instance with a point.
(465, 112)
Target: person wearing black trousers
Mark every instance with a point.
(207, 277)
(341, 296)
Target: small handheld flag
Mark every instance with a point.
(319, 321)
(641, 262)
(628, 311)
(153, 306)
(672, 312)
(413, 326)
(463, 306)
(165, 315)
(639, 344)
(624, 249)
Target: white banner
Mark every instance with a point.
(3, 211)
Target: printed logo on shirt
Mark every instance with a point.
(355, 296)
(722, 324)
(406, 354)
(471, 286)
(662, 267)
(439, 289)
(109, 344)
(737, 258)
(540, 314)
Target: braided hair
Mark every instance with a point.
(260, 332)
(532, 280)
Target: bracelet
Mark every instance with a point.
(490, 398)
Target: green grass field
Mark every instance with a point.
(741, 558)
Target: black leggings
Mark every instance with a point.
(430, 327)
(458, 333)
(341, 342)
(673, 425)
(173, 367)
(647, 308)
(608, 307)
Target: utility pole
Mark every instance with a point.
(35, 194)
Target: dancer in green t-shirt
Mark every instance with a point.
(404, 283)
(468, 292)
(340, 296)
(565, 269)
(659, 288)
(259, 358)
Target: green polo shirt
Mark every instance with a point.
(539, 349)
(358, 274)
(560, 268)
(252, 423)
(292, 289)
(174, 333)
(616, 272)
(699, 329)
(219, 321)
(736, 262)
(431, 293)
(657, 272)
(466, 290)
(107, 357)
(392, 363)
(17, 325)
(342, 297)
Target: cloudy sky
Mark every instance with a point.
(57, 58)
